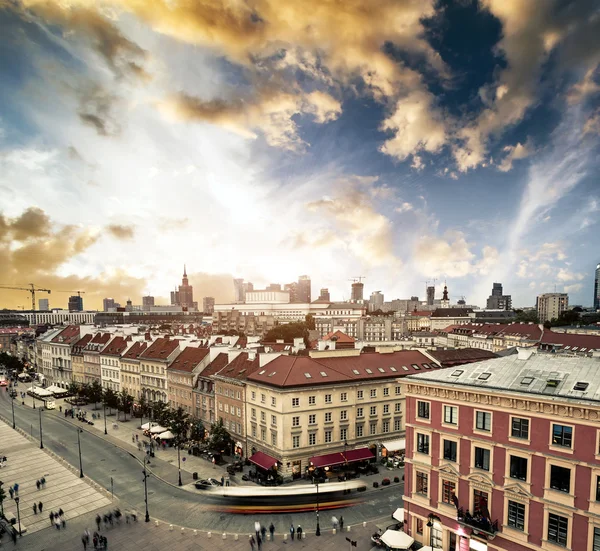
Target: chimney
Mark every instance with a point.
(266, 357)
(524, 353)
(232, 355)
(251, 355)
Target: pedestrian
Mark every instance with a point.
(43, 481)
(252, 543)
(57, 522)
(257, 528)
(13, 533)
(132, 437)
(292, 531)
(299, 532)
(259, 542)
(35, 508)
(227, 480)
(98, 522)
(137, 439)
(40, 506)
(95, 540)
(38, 484)
(334, 522)
(51, 518)
(63, 521)
(341, 523)
(84, 541)
(16, 489)
(11, 492)
(272, 530)
(263, 533)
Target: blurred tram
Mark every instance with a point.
(261, 499)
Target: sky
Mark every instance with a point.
(401, 141)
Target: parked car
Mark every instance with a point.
(207, 484)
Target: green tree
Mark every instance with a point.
(143, 407)
(84, 391)
(95, 393)
(570, 317)
(161, 413)
(110, 399)
(11, 362)
(197, 431)
(179, 425)
(74, 388)
(124, 403)
(287, 332)
(526, 316)
(220, 439)
(309, 321)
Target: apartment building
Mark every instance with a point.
(91, 358)
(77, 358)
(551, 305)
(504, 454)
(110, 363)
(204, 391)
(182, 373)
(153, 368)
(302, 408)
(130, 369)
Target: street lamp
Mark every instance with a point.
(430, 523)
(318, 531)
(12, 403)
(41, 434)
(146, 491)
(17, 499)
(79, 446)
(2, 500)
(179, 462)
(104, 406)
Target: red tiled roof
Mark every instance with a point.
(451, 313)
(100, 338)
(461, 356)
(83, 341)
(420, 313)
(293, 371)
(160, 349)
(529, 330)
(69, 335)
(216, 365)
(240, 367)
(116, 346)
(135, 350)
(589, 342)
(340, 337)
(188, 359)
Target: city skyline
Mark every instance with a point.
(460, 144)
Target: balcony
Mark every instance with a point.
(478, 524)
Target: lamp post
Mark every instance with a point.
(17, 499)
(33, 392)
(12, 404)
(41, 434)
(179, 461)
(79, 446)
(146, 491)
(2, 500)
(318, 530)
(430, 523)
(104, 406)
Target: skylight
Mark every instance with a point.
(415, 366)
(368, 370)
(568, 347)
(392, 368)
(426, 366)
(405, 368)
(308, 375)
(484, 376)
(526, 380)
(323, 374)
(582, 349)
(356, 372)
(262, 372)
(552, 383)
(581, 386)
(271, 374)
(457, 373)
(574, 348)
(381, 370)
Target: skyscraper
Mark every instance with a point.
(292, 289)
(184, 296)
(376, 301)
(497, 300)
(239, 294)
(551, 305)
(107, 304)
(324, 295)
(75, 304)
(147, 301)
(597, 289)
(44, 304)
(208, 305)
(430, 295)
(357, 291)
(304, 294)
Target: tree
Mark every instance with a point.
(143, 407)
(179, 425)
(84, 391)
(569, 317)
(95, 393)
(11, 362)
(220, 439)
(526, 316)
(161, 413)
(309, 321)
(124, 403)
(287, 332)
(74, 388)
(110, 399)
(197, 431)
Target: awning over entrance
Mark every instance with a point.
(361, 454)
(395, 445)
(399, 514)
(329, 460)
(263, 460)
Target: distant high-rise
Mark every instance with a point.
(184, 296)
(376, 301)
(147, 301)
(304, 293)
(357, 291)
(292, 289)
(240, 289)
(75, 304)
(108, 303)
(551, 305)
(324, 295)
(44, 304)
(430, 295)
(597, 289)
(273, 287)
(497, 300)
(208, 305)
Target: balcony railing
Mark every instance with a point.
(477, 523)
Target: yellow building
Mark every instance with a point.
(130, 370)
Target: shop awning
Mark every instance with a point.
(360, 454)
(263, 460)
(329, 460)
(395, 445)
(397, 540)
(399, 514)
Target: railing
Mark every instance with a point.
(477, 523)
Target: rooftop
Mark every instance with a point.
(339, 337)
(451, 312)
(116, 346)
(460, 356)
(188, 359)
(528, 372)
(240, 367)
(69, 335)
(215, 366)
(135, 350)
(160, 349)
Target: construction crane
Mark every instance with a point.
(357, 279)
(31, 289)
(79, 293)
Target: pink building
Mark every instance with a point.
(504, 454)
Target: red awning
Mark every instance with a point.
(361, 454)
(328, 460)
(263, 460)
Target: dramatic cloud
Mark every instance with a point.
(33, 223)
(121, 231)
(513, 153)
(587, 87)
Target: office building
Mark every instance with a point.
(304, 294)
(357, 291)
(551, 305)
(239, 296)
(75, 304)
(498, 300)
(376, 301)
(108, 304)
(430, 295)
(184, 295)
(324, 295)
(208, 305)
(292, 289)
(147, 301)
(273, 287)
(502, 454)
(597, 288)
(44, 304)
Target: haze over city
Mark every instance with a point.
(448, 140)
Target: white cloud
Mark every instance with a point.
(573, 288)
(405, 207)
(513, 153)
(566, 275)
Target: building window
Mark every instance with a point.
(273, 420)
(562, 436)
(372, 428)
(273, 401)
(263, 416)
(419, 527)
(386, 408)
(253, 431)
(397, 407)
(423, 443)
(423, 410)
(273, 438)
(373, 410)
(312, 419)
(422, 480)
(596, 541)
(483, 421)
(312, 438)
(482, 459)
(263, 434)
(598, 488)
(328, 398)
(295, 421)
(398, 390)
(450, 448)
(560, 478)
(344, 415)
(359, 430)
(518, 467)
(448, 490)
(360, 395)
(343, 434)
(373, 393)
(451, 415)
(344, 397)
(385, 427)
(328, 417)
(263, 398)
(480, 503)
(312, 400)
(397, 424)
(520, 428)
(359, 412)
(558, 528)
(295, 402)
(295, 441)
(327, 436)
(386, 391)
(516, 515)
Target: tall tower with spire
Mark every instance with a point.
(184, 296)
(445, 302)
